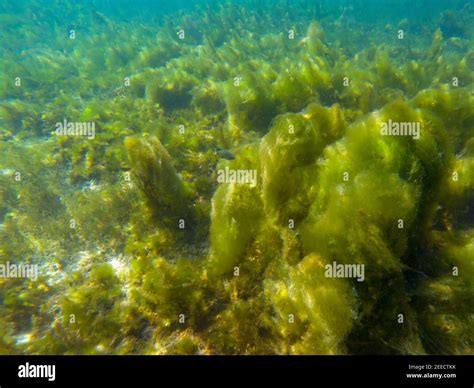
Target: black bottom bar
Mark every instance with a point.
(314, 371)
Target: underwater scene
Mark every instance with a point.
(237, 177)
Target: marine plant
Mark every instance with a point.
(142, 249)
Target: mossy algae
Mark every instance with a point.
(246, 274)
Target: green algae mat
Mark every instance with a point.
(246, 177)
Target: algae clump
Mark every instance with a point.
(166, 194)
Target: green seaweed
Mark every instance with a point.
(246, 273)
